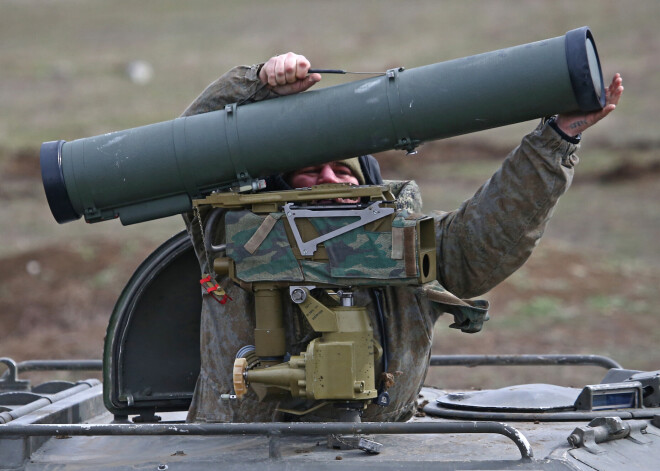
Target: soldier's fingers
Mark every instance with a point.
(290, 64)
(613, 96)
(615, 89)
(279, 73)
(266, 72)
(272, 73)
(302, 66)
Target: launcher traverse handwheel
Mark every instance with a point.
(240, 386)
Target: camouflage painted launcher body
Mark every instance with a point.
(392, 247)
(274, 240)
(156, 170)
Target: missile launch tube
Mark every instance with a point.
(156, 170)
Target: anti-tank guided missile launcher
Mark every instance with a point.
(157, 170)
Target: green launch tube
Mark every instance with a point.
(156, 170)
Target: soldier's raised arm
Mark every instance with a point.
(283, 74)
(493, 233)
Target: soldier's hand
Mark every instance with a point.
(286, 74)
(575, 123)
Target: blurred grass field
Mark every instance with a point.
(63, 76)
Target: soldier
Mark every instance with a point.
(478, 245)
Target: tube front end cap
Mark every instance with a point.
(50, 158)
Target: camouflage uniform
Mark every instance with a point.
(480, 244)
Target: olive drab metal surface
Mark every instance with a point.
(156, 170)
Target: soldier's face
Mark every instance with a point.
(333, 172)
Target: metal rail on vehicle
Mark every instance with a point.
(519, 360)
(48, 365)
(279, 428)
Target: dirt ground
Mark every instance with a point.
(55, 301)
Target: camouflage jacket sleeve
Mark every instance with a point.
(493, 233)
(240, 84)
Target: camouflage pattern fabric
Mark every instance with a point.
(357, 254)
(362, 254)
(273, 259)
(481, 243)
